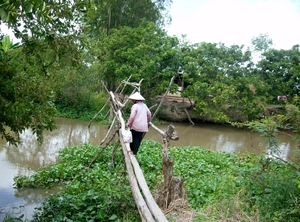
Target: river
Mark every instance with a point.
(29, 156)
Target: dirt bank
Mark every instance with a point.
(178, 109)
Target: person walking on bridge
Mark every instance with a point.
(140, 116)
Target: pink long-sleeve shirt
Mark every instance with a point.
(140, 115)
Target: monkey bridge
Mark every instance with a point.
(149, 209)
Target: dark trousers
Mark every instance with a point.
(137, 138)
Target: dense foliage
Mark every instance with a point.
(249, 186)
(26, 94)
(70, 49)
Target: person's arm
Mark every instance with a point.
(148, 115)
(132, 116)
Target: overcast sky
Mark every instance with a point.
(237, 21)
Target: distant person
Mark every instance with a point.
(140, 116)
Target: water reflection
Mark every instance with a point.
(10, 203)
(29, 156)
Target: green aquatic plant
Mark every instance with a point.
(211, 179)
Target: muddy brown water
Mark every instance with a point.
(29, 157)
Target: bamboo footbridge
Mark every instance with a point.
(149, 209)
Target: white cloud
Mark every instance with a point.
(237, 21)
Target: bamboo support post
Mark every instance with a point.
(173, 186)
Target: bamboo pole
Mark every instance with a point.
(156, 212)
(188, 115)
(163, 98)
(107, 101)
(143, 209)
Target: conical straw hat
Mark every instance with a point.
(136, 96)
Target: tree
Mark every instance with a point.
(261, 43)
(28, 73)
(102, 16)
(10, 11)
(26, 101)
(221, 83)
(280, 69)
(145, 52)
(38, 18)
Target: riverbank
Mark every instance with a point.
(178, 109)
(174, 109)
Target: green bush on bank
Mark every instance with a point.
(84, 110)
(219, 185)
(81, 114)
